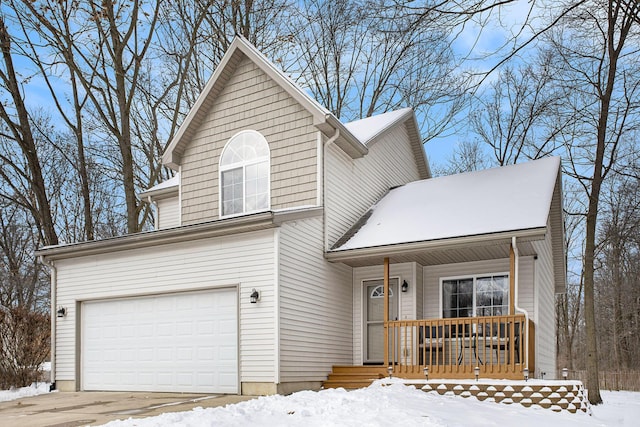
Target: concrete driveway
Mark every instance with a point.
(94, 408)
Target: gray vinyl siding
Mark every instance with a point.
(407, 301)
(433, 274)
(243, 260)
(251, 100)
(352, 186)
(168, 212)
(527, 287)
(545, 310)
(315, 305)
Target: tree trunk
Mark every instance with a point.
(23, 135)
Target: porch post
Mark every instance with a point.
(512, 280)
(386, 312)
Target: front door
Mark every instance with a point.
(374, 317)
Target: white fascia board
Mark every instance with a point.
(161, 193)
(254, 222)
(221, 227)
(449, 243)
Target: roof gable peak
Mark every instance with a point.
(240, 48)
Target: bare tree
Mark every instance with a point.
(516, 115)
(104, 44)
(467, 156)
(61, 42)
(359, 58)
(23, 179)
(596, 70)
(617, 281)
(23, 283)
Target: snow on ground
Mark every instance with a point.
(393, 405)
(34, 390)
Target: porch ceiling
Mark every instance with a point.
(446, 254)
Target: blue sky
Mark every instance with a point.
(483, 42)
(478, 41)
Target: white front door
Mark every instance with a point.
(374, 317)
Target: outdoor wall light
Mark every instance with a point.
(255, 296)
(62, 312)
(390, 371)
(426, 372)
(565, 373)
(405, 286)
(476, 372)
(525, 372)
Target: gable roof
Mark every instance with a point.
(516, 198)
(367, 129)
(165, 188)
(240, 48)
(370, 129)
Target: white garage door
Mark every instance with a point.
(184, 342)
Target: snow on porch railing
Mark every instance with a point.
(454, 347)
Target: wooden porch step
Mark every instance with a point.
(366, 369)
(352, 377)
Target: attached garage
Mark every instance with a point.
(179, 342)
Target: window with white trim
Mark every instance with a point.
(482, 295)
(244, 174)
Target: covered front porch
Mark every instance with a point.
(414, 336)
(495, 346)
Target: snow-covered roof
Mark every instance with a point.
(164, 187)
(367, 129)
(510, 198)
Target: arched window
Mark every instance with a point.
(378, 292)
(244, 174)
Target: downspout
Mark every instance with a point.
(330, 141)
(54, 282)
(516, 306)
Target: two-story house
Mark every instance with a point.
(289, 242)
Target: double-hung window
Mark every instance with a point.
(482, 295)
(244, 174)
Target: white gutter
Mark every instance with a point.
(54, 318)
(516, 306)
(344, 255)
(358, 149)
(330, 141)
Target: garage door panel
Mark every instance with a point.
(177, 342)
